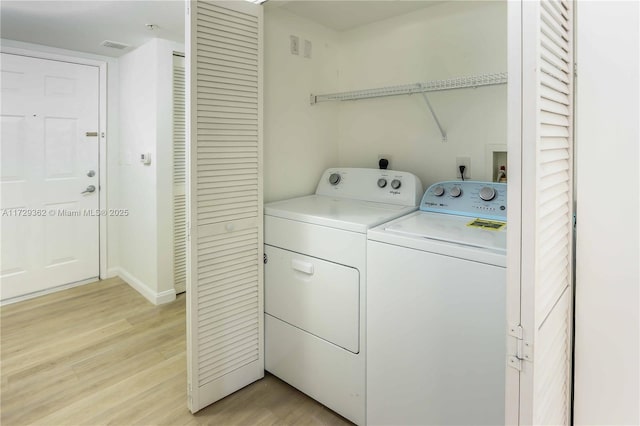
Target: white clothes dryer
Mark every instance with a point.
(436, 316)
(315, 281)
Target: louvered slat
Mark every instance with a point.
(214, 63)
(546, 182)
(554, 119)
(230, 55)
(552, 385)
(248, 20)
(245, 46)
(553, 83)
(223, 273)
(559, 8)
(551, 58)
(551, 46)
(553, 95)
(552, 15)
(554, 37)
(229, 294)
(554, 72)
(555, 107)
(228, 68)
(245, 283)
(179, 178)
(226, 196)
(219, 21)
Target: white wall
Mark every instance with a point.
(447, 40)
(145, 190)
(442, 41)
(138, 239)
(113, 94)
(607, 327)
(300, 141)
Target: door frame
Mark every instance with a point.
(102, 149)
(514, 212)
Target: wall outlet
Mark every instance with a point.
(386, 157)
(294, 44)
(466, 162)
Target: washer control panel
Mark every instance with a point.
(486, 200)
(381, 186)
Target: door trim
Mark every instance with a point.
(102, 151)
(514, 197)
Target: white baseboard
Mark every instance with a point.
(166, 296)
(153, 297)
(111, 273)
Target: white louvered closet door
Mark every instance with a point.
(540, 247)
(179, 178)
(225, 275)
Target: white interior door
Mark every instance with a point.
(540, 247)
(49, 176)
(225, 311)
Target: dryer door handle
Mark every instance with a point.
(301, 266)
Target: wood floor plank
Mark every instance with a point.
(34, 355)
(101, 354)
(94, 404)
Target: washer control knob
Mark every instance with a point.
(455, 192)
(487, 193)
(438, 191)
(334, 179)
(382, 182)
(395, 184)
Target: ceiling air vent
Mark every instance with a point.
(114, 45)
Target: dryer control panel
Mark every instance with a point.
(486, 200)
(379, 186)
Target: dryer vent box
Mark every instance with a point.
(114, 45)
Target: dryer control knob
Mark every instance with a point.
(455, 192)
(334, 179)
(487, 193)
(395, 184)
(438, 191)
(382, 183)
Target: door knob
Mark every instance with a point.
(91, 173)
(90, 188)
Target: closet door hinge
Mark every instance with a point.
(524, 349)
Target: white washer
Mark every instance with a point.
(436, 346)
(315, 279)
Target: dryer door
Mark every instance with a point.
(319, 297)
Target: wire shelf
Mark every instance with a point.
(408, 89)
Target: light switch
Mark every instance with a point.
(307, 49)
(294, 44)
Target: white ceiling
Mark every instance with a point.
(83, 25)
(344, 15)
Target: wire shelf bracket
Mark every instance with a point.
(470, 82)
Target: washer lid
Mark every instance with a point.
(341, 213)
(449, 228)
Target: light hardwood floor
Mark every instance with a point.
(101, 354)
